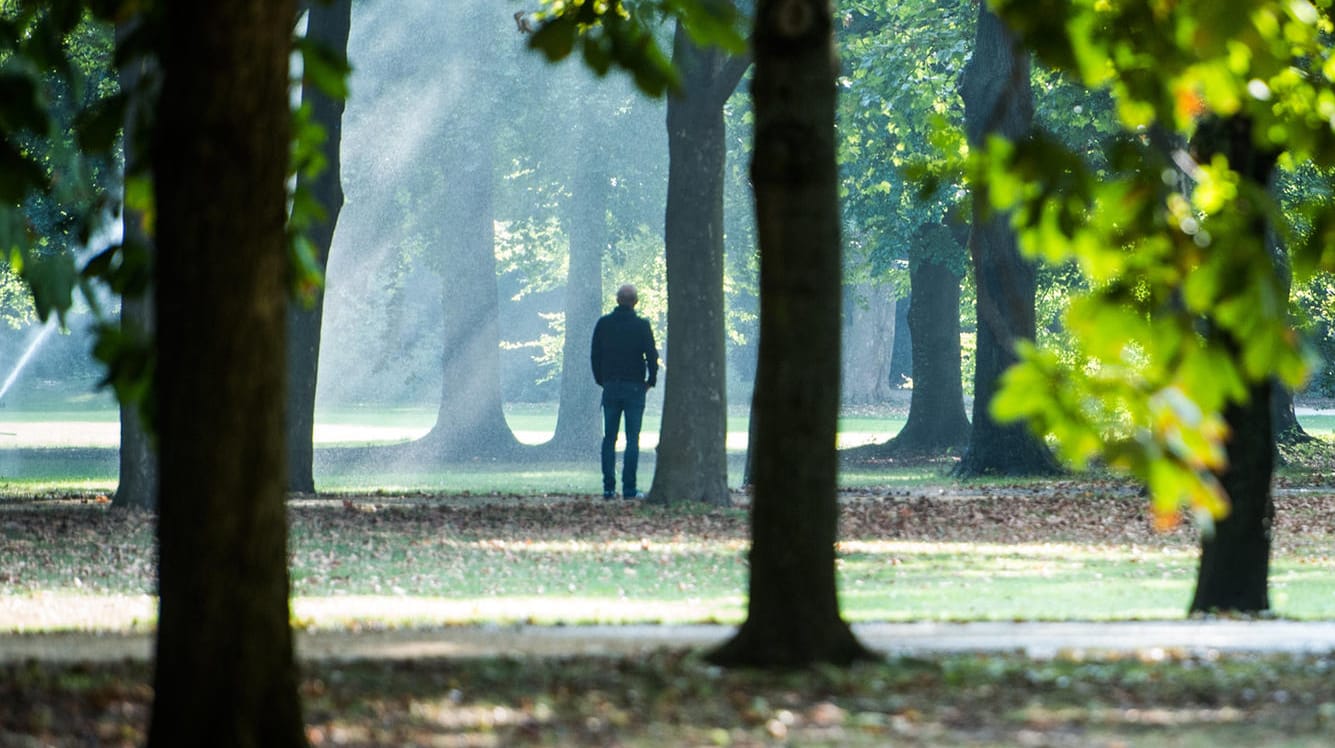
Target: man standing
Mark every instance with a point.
(625, 365)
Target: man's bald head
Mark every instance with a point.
(627, 296)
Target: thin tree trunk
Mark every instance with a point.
(137, 487)
(329, 24)
(998, 100)
(793, 617)
(692, 463)
(224, 669)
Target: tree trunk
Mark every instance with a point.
(1284, 418)
(793, 617)
(998, 100)
(936, 424)
(578, 427)
(329, 24)
(470, 423)
(224, 670)
(1235, 560)
(901, 353)
(138, 477)
(137, 486)
(869, 337)
(692, 460)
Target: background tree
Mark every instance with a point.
(692, 460)
(900, 105)
(327, 27)
(793, 614)
(137, 485)
(578, 426)
(936, 422)
(224, 673)
(998, 101)
(471, 420)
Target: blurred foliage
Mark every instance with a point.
(63, 184)
(1166, 241)
(621, 33)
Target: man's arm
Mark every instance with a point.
(651, 354)
(596, 353)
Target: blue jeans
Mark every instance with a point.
(619, 398)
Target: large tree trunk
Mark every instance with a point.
(793, 617)
(578, 427)
(937, 423)
(869, 337)
(998, 101)
(470, 423)
(138, 477)
(224, 670)
(1284, 418)
(1235, 559)
(328, 24)
(692, 461)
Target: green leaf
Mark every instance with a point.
(18, 174)
(52, 279)
(324, 67)
(20, 105)
(98, 126)
(555, 38)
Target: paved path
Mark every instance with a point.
(1035, 639)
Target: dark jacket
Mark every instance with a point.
(623, 348)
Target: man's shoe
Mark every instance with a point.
(633, 496)
(609, 495)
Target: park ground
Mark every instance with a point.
(1043, 613)
(411, 665)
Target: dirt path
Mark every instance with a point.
(1036, 639)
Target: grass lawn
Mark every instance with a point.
(1005, 553)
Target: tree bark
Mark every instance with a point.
(901, 353)
(692, 461)
(869, 337)
(470, 423)
(137, 486)
(1284, 418)
(328, 24)
(998, 100)
(936, 423)
(1235, 560)
(578, 428)
(224, 670)
(793, 617)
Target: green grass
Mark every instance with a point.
(1318, 424)
(427, 561)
